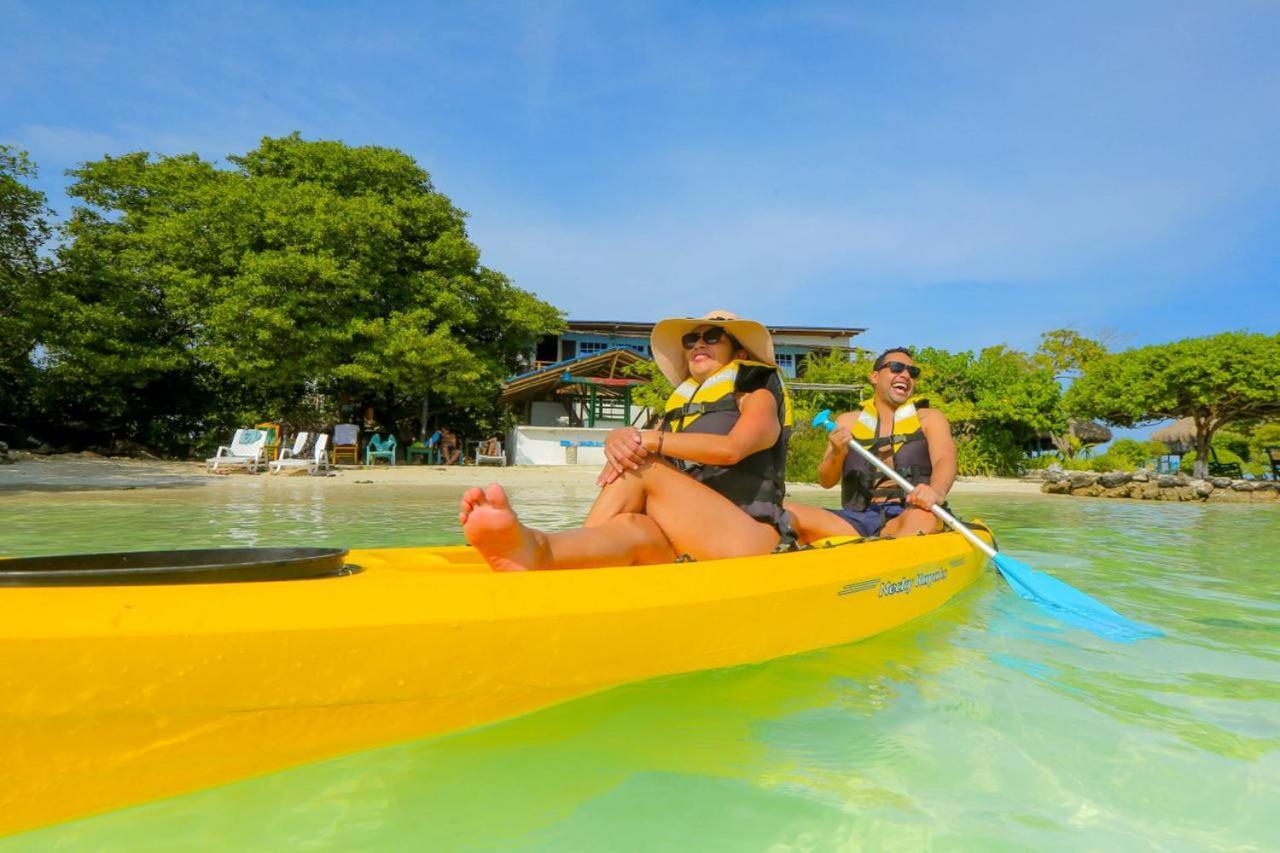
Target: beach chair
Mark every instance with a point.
(500, 458)
(430, 449)
(1223, 469)
(380, 448)
(246, 450)
(317, 461)
(346, 443)
(275, 434)
(299, 448)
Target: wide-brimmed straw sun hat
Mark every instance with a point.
(669, 353)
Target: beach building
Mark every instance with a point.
(578, 385)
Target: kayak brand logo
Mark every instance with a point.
(904, 586)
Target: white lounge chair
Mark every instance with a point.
(299, 446)
(317, 462)
(499, 459)
(247, 449)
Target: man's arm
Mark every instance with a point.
(942, 457)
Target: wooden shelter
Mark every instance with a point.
(590, 387)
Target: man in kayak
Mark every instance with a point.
(914, 439)
(708, 483)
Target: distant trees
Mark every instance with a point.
(307, 274)
(24, 229)
(1230, 378)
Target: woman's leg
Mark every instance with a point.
(685, 515)
(812, 523)
(491, 525)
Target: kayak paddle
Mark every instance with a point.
(1047, 592)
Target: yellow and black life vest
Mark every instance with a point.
(861, 484)
(758, 482)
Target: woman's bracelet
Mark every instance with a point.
(661, 434)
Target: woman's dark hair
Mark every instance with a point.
(879, 362)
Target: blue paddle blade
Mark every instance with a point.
(1070, 604)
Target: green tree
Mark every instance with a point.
(1066, 353)
(307, 268)
(24, 231)
(1230, 378)
(655, 391)
(996, 402)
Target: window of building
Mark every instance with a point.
(586, 347)
(787, 362)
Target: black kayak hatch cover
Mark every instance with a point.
(201, 565)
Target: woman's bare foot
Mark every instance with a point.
(490, 524)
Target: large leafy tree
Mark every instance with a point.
(306, 268)
(996, 402)
(24, 231)
(1231, 378)
(1067, 354)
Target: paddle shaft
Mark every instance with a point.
(947, 518)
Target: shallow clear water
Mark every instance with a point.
(984, 726)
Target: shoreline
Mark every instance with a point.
(82, 472)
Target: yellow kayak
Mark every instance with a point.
(117, 694)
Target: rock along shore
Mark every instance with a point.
(1143, 485)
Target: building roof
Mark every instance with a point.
(608, 364)
(625, 327)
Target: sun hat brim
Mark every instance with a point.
(669, 353)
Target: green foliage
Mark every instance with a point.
(308, 269)
(1261, 437)
(1230, 378)
(996, 403)
(804, 452)
(1127, 454)
(833, 367)
(654, 393)
(1223, 456)
(1235, 442)
(990, 451)
(1066, 353)
(24, 229)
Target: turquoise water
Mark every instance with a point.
(984, 726)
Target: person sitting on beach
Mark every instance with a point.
(708, 483)
(449, 446)
(912, 438)
(490, 446)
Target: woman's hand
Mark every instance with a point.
(624, 449)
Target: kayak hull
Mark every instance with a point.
(117, 695)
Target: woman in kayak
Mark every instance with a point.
(708, 483)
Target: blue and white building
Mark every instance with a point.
(792, 344)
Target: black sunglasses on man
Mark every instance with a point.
(896, 367)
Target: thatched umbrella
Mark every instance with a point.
(1090, 432)
(1179, 436)
(1087, 433)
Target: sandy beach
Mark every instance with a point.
(90, 472)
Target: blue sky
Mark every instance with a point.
(942, 173)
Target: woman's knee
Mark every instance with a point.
(646, 536)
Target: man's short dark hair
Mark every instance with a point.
(879, 362)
